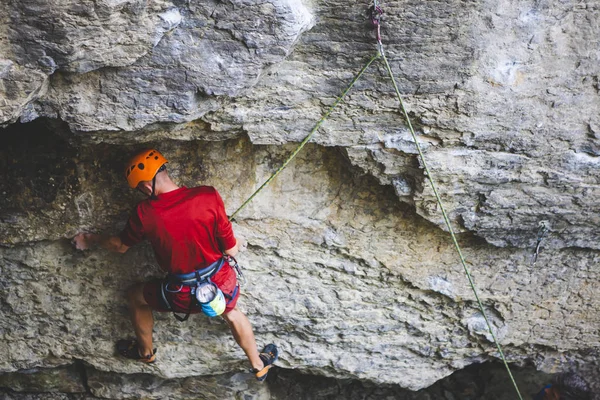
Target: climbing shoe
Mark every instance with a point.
(129, 348)
(268, 356)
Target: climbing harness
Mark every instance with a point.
(237, 268)
(376, 14)
(203, 292)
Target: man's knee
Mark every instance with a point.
(135, 295)
(234, 315)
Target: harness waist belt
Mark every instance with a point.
(193, 277)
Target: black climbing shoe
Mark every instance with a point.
(129, 348)
(268, 356)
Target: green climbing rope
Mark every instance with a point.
(449, 225)
(377, 12)
(307, 138)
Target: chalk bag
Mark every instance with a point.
(210, 298)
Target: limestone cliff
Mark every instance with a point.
(349, 268)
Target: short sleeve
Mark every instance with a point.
(133, 232)
(224, 232)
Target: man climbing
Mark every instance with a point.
(193, 241)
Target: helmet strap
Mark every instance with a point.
(153, 195)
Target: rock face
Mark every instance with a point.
(349, 268)
(505, 94)
(165, 62)
(474, 383)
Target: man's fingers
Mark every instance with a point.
(242, 243)
(79, 242)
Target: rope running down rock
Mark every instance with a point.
(306, 139)
(377, 9)
(376, 19)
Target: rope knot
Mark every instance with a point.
(375, 13)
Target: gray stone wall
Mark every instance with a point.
(349, 267)
(83, 382)
(504, 95)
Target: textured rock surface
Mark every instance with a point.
(474, 383)
(226, 386)
(175, 60)
(363, 283)
(504, 96)
(54, 380)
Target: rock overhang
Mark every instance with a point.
(506, 155)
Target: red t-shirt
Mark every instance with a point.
(187, 228)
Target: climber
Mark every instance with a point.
(567, 386)
(193, 242)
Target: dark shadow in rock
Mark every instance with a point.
(487, 381)
(35, 164)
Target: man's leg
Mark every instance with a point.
(244, 336)
(141, 318)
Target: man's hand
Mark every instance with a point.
(242, 243)
(84, 241)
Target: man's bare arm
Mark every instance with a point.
(240, 245)
(84, 241)
(234, 250)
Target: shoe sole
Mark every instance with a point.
(262, 374)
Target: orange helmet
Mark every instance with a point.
(143, 166)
